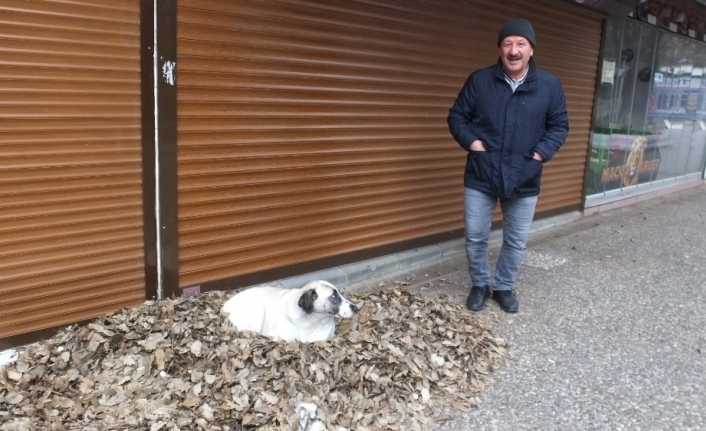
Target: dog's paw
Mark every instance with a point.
(308, 419)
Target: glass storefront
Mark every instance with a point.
(650, 113)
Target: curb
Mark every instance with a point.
(353, 276)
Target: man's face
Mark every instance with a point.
(515, 52)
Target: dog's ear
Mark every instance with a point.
(306, 301)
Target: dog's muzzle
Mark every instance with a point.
(347, 309)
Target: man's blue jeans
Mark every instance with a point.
(478, 209)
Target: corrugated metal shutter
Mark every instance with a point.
(308, 129)
(70, 162)
(569, 46)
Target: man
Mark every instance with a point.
(511, 118)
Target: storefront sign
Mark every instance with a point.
(628, 168)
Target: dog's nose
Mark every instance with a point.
(354, 308)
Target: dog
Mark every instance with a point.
(306, 314)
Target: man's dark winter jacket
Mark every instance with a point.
(512, 126)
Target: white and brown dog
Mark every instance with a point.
(306, 314)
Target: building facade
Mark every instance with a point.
(312, 133)
(150, 149)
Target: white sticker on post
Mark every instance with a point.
(168, 72)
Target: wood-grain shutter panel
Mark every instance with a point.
(309, 129)
(569, 46)
(71, 243)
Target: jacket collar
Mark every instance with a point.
(529, 79)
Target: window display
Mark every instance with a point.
(649, 122)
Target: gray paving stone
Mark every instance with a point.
(615, 337)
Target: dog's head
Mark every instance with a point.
(324, 298)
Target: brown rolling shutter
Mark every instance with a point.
(308, 129)
(70, 166)
(568, 46)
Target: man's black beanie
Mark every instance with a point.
(518, 27)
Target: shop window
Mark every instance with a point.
(650, 113)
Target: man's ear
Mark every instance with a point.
(306, 301)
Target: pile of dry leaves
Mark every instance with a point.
(176, 364)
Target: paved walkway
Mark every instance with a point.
(611, 333)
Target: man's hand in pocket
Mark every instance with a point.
(477, 145)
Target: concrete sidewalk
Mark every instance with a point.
(611, 333)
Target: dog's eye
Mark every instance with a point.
(314, 295)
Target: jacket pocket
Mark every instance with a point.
(481, 166)
(530, 175)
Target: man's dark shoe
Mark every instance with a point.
(506, 300)
(477, 297)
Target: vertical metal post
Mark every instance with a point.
(165, 169)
